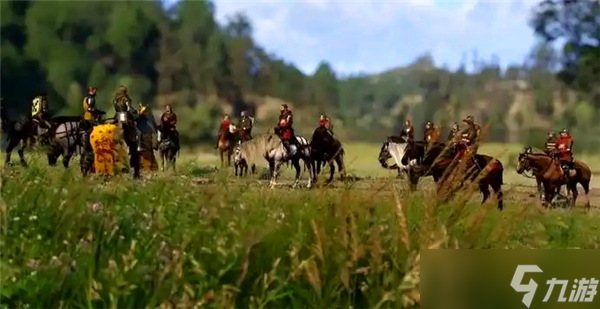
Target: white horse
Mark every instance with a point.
(270, 147)
(395, 149)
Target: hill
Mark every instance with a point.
(182, 56)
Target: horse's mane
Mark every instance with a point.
(258, 146)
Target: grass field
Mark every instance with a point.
(201, 238)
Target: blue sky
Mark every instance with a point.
(371, 36)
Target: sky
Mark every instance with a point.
(360, 36)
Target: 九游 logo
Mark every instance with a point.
(583, 290)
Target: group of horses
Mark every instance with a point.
(323, 148)
(417, 159)
(68, 134)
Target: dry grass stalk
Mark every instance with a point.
(401, 221)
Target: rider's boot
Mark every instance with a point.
(138, 134)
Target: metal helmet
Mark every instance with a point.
(565, 131)
(455, 126)
(428, 124)
(243, 114)
(470, 118)
(550, 133)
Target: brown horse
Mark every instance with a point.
(439, 161)
(547, 169)
(226, 144)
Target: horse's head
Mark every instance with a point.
(237, 154)
(523, 163)
(384, 154)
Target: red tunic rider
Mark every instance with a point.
(223, 128)
(563, 149)
(324, 121)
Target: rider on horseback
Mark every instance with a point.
(550, 144)
(91, 113)
(223, 128)
(122, 103)
(431, 133)
(168, 123)
(469, 136)
(245, 126)
(284, 128)
(325, 122)
(453, 132)
(409, 130)
(564, 143)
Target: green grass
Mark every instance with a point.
(201, 238)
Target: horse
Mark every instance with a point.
(241, 160)
(437, 160)
(68, 133)
(326, 148)
(394, 149)
(548, 170)
(226, 143)
(167, 148)
(128, 125)
(270, 147)
(19, 131)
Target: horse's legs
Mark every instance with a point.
(331, 172)
(229, 157)
(550, 191)
(296, 163)
(572, 186)
(162, 160)
(309, 165)
(12, 143)
(485, 190)
(221, 155)
(21, 152)
(341, 168)
(67, 154)
(134, 160)
(585, 183)
(275, 172)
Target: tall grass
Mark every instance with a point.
(173, 242)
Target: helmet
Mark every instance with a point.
(428, 124)
(550, 133)
(565, 131)
(469, 119)
(243, 114)
(455, 125)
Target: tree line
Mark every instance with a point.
(182, 56)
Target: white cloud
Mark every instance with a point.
(375, 35)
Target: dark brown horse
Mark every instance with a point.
(548, 171)
(226, 143)
(438, 160)
(325, 148)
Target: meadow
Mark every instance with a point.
(200, 238)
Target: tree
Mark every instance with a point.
(577, 24)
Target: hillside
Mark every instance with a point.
(182, 56)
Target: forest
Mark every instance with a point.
(182, 56)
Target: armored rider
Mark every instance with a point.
(408, 130)
(564, 144)
(325, 122)
(223, 128)
(122, 103)
(453, 132)
(245, 125)
(91, 112)
(168, 123)
(550, 144)
(431, 133)
(470, 134)
(284, 128)
(39, 111)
